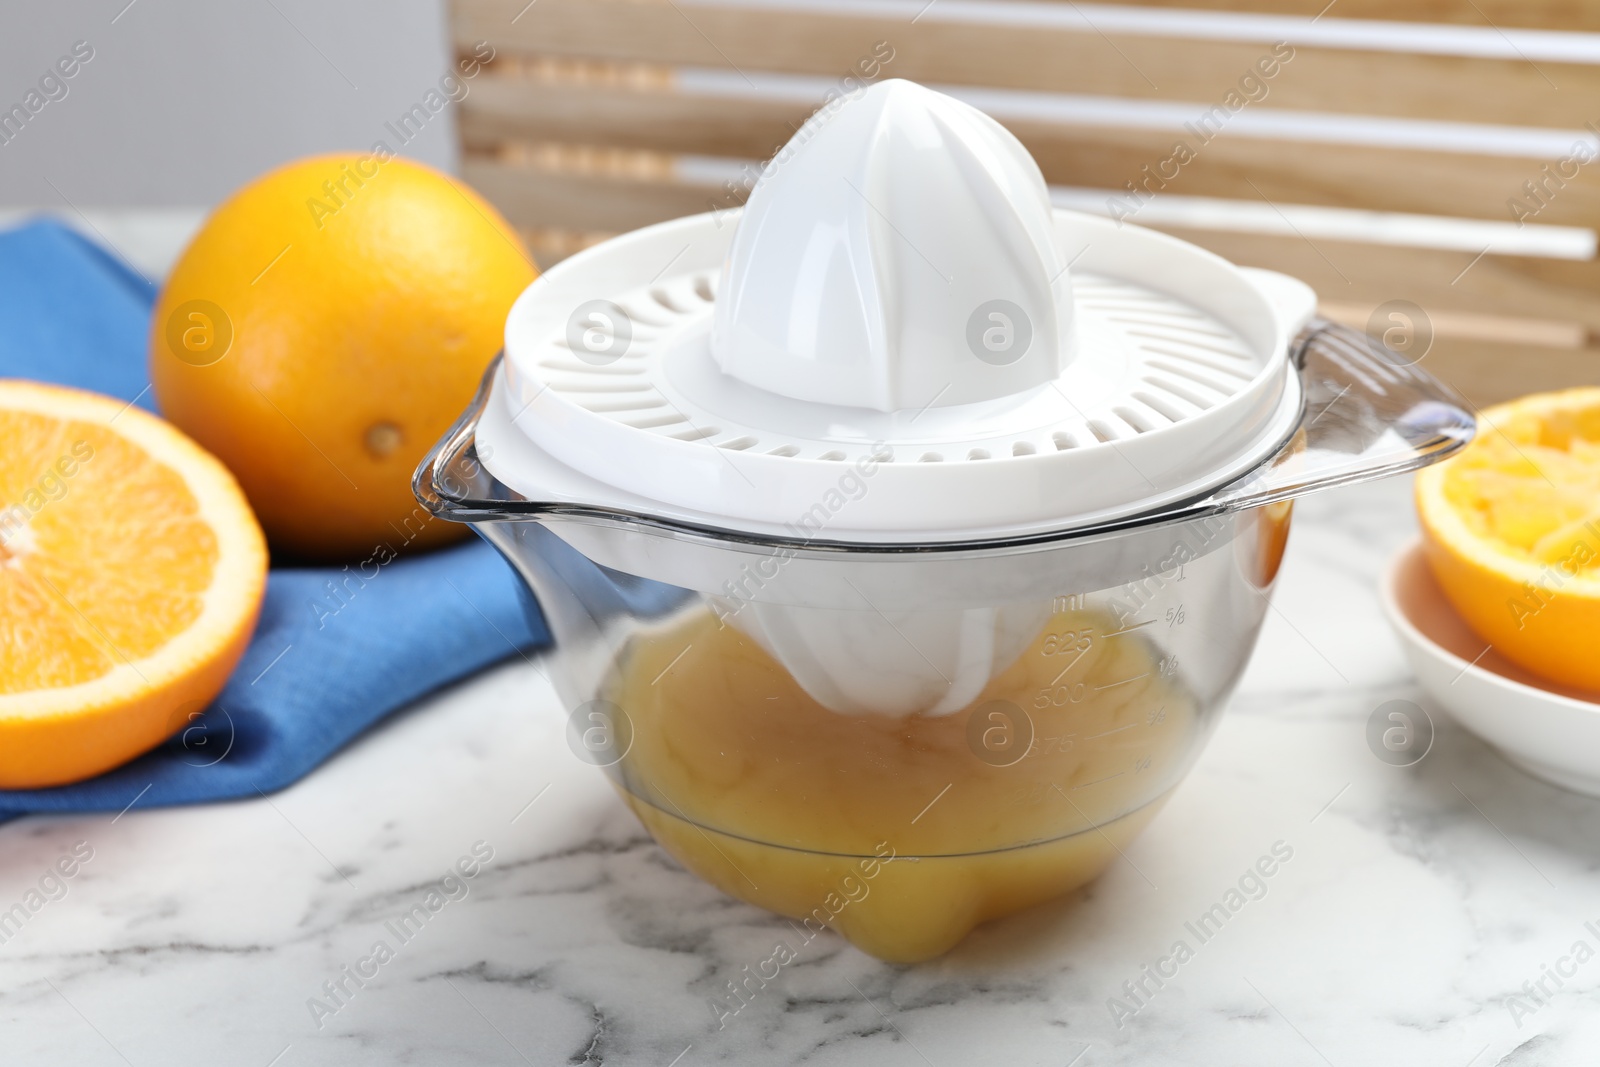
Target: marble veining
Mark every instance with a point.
(1417, 904)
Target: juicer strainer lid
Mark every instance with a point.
(808, 368)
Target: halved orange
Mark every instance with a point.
(131, 574)
(1511, 530)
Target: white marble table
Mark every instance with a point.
(1416, 901)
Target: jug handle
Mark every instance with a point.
(1369, 413)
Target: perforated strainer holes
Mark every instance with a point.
(1216, 379)
(1187, 362)
(1212, 381)
(1149, 323)
(1236, 365)
(572, 366)
(1182, 392)
(655, 422)
(664, 298)
(1192, 341)
(1137, 314)
(598, 332)
(1162, 407)
(610, 407)
(1138, 420)
(602, 385)
(618, 384)
(616, 387)
(648, 314)
(1183, 363)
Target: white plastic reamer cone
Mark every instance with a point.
(898, 343)
(900, 253)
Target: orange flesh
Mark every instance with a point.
(82, 591)
(1511, 530)
(131, 572)
(1529, 485)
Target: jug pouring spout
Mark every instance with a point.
(588, 607)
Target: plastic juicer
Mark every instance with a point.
(902, 536)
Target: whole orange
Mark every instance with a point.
(323, 329)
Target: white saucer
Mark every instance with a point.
(1550, 730)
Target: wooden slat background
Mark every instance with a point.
(1579, 15)
(582, 128)
(686, 33)
(506, 108)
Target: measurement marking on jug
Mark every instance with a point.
(1043, 746)
(1130, 629)
(1061, 695)
(1070, 602)
(1071, 665)
(673, 664)
(1125, 681)
(1059, 644)
(1108, 733)
(931, 803)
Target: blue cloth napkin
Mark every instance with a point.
(320, 669)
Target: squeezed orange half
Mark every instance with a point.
(1511, 530)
